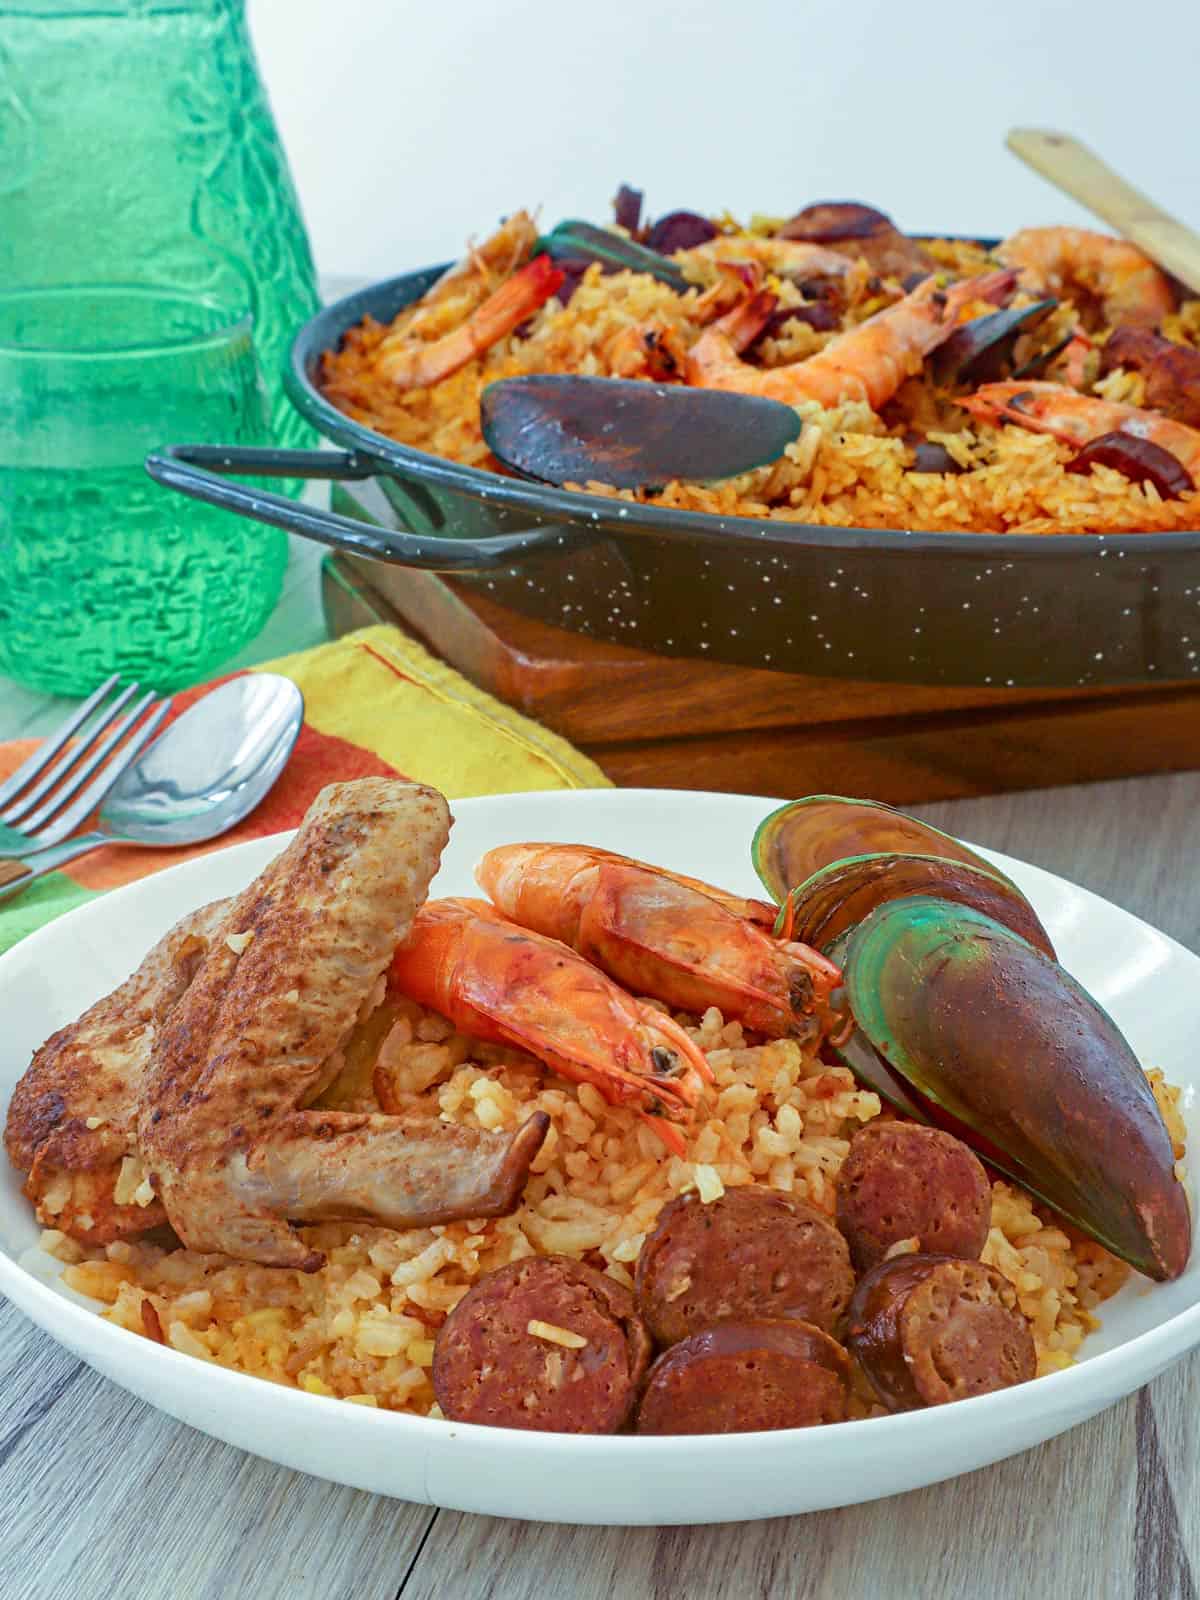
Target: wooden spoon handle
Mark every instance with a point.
(1079, 172)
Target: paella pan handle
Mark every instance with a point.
(199, 471)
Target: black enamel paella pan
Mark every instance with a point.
(965, 608)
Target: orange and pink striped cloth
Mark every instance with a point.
(376, 704)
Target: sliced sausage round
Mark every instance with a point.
(903, 1181)
(930, 1329)
(510, 1353)
(743, 1377)
(752, 1253)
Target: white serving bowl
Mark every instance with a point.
(1150, 984)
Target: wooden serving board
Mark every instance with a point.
(671, 723)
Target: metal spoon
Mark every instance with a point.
(204, 774)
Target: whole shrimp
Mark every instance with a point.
(463, 315)
(657, 933)
(1079, 418)
(499, 982)
(1128, 285)
(867, 363)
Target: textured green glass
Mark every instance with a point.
(100, 569)
(137, 146)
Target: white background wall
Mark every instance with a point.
(414, 123)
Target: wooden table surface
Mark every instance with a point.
(103, 1498)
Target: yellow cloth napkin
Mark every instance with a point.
(381, 690)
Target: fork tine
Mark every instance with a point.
(68, 819)
(49, 748)
(95, 792)
(61, 767)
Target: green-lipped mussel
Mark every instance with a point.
(958, 1014)
(839, 895)
(828, 859)
(796, 839)
(991, 1037)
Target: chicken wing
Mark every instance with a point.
(72, 1118)
(259, 1033)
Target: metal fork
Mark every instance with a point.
(45, 800)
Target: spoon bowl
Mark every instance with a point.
(209, 769)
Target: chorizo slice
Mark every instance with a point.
(930, 1329)
(751, 1253)
(1171, 371)
(904, 1181)
(746, 1377)
(853, 229)
(543, 1343)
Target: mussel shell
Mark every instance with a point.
(574, 238)
(559, 429)
(858, 1053)
(841, 894)
(1034, 1074)
(980, 351)
(1036, 365)
(795, 841)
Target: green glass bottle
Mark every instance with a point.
(137, 146)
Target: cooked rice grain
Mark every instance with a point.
(363, 1328)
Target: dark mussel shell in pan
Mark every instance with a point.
(840, 895)
(980, 351)
(930, 456)
(633, 435)
(993, 1036)
(574, 240)
(1038, 364)
(804, 835)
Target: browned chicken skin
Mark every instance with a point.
(258, 1035)
(71, 1120)
(187, 1086)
